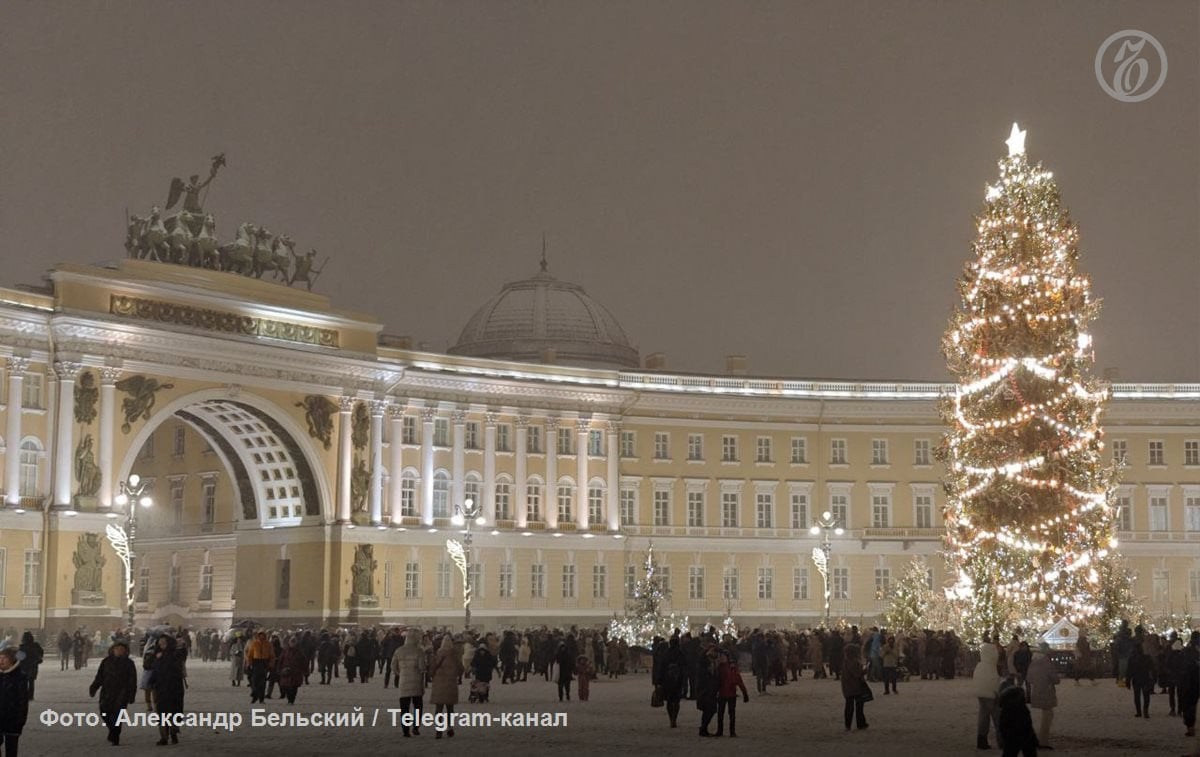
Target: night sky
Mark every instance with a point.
(792, 181)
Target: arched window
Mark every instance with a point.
(503, 497)
(595, 500)
(30, 474)
(471, 488)
(408, 493)
(441, 494)
(533, 498)
(566, 493)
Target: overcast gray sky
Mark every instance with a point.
(794, 181)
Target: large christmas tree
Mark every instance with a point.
(1028, 515)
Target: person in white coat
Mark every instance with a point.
(408, 665)
(984, 682)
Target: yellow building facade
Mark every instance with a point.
(303, 469)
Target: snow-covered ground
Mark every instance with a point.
(926, 718)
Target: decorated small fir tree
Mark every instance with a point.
(644, 617)
(911, 599)
(1028, 515)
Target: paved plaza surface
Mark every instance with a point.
(805, 717)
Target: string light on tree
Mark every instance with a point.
(1028, 514)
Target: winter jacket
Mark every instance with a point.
(854, 682)
(986, 680)
(447, 667)
(730, 681)
(408, 662)
(32, 654)
(1042, 678)
(292, 666)
(117, 681)
(483, 664)
(260, 649)
(167, 678)
(14, 700)
(1014, 723)
(1141, 668)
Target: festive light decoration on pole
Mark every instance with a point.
(643, 610)
(1028, 515)
(825, 526)
(466, 514)
(120, 535)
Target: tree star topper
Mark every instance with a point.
(1016, 141)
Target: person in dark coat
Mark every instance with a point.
(117, 681)
(836, 646)
(669, 675)
(566, 670)
(854, 685)
(168, 679)
(1014, 724)
(291, 666)
(1140, 670)
(31, 658)
(708, 684)
(1187, 681)
(327, 652)
(64, 649)
(14, 700)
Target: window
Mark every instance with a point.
(799, 583)
(537, 581)
(208, 495)
(799, 510)
(1158, 512)
(695, 508)
(412, 580)
(628, 507)
(837, 452)
(1162, 585)
(206, 574)
(1124, 505)
(729, 450)
(173, 583)
(1194, 584)
(30, 462)
(506, 580)
(595, 504)
(762, 450)
(1156, 453)
(177, 501)
(766, 583)
(628, 443)
(764, 509)
(441, 432)
(599, 582)
(630, 580)
(31, 391)
(568, 582)
(475, 573)
(179, 443)
(471, 489)
(1120, 451)
(503, 437)
(923, 504)
(729, 582)
(471, 435)
(408, 430)
(441, 495)
(566, 493)
(533, 501)
(662, 446)
(564, 441)
(443, 580)
(696, 582)
(143, 586)
(879, 452)
(595, 443)
(533, 439)
(31, 585)
(839, 508)
(1191, 507)
(881, 510)
(730, 503)
(695, 447)
(883, 583)
(840, 583)
(799, 450)
(662, 507)
(1191, 452)
(921, 452)
(408, 495)
(664, 578)
(503, 500)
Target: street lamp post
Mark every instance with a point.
(120, 535)
(827, 525)
(467, 514)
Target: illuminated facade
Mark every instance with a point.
(282, 437)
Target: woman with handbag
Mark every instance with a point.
(854, 686)
(292, 665)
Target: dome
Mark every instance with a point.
(531, 320)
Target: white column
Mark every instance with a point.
(108, 403)
(581, 475)
(520, 505)
(614, 480)
(64, 454)
(427, 416)
(12, 450)
(489, 468)
(345, 458)
(395, 462)
(378, 407)
(458, 487)
(551, 498)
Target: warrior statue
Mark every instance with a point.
(364, 570)
(89, 563)
(191, 190)
(87, 473)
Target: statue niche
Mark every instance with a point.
(89, 570)
(363, 581)
(86, 398)
(87, 473)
